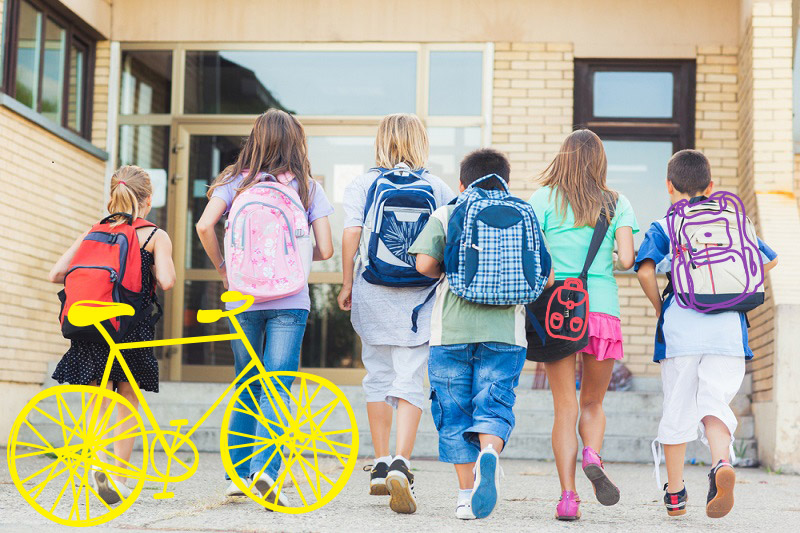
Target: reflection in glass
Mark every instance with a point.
(29, 46)
(448, 147)
(205, 295)
(633, 94)
(456, 83)
(329, 341)
(55, 49)
(76, 88)
(301, 82)
(638, 169)
(335, 161)
(146, 83)
(208, 155)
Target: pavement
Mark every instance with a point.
(764, 502)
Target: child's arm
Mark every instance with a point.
(350, 239)
(551, 279)
(647, 279)
(428, 266)
(625, 253)
(323, 241)
(214, 210)
(769, 266)
(164, 268)
(59, 270)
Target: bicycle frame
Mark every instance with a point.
(179, 439)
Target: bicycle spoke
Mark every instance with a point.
(263, 468)
(101, 424)
(259, 418)
(305, 411)
(42, 484)
(319, 474)
(96, 495)
(262, 448)
(294, 480)
(50, 466)
(32, 454)
(63, 426)
(115, 426)
(274, 398)
(332, 452)
(27, 423)
(136, 470)
(314, 488)
(61, 493)
(257, 404)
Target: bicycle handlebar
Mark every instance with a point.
(212, 315)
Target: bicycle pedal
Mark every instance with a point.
(163, 495)
(178, 422)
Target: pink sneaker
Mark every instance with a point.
(568, 507)
(604, 489)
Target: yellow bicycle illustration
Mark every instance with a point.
(61, 490)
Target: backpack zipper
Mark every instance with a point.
(239, 212)
(272, 186)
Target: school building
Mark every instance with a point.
(88, 85)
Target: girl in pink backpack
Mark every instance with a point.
(272, 206)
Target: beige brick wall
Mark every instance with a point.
(102, 61)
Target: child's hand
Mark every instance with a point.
(345, 298)
(223, 272)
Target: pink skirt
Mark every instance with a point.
(605, 337)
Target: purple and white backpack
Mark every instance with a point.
(268, 247)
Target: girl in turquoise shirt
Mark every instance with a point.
(567, 206)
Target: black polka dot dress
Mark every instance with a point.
(85, 361)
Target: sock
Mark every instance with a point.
(406, 461)
(385, 459)
(464, 495)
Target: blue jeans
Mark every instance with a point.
(279, 333)
(472, 393)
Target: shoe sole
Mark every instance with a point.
(679, 512)
(402, 500)
(104, 489)
(484, 495)
(568, 518)
(722, 503)
(604, 490)
(263, 487)
(378, 489)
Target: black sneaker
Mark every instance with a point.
(721, 480)
(400, 483)
(377, 478)
(675, 501)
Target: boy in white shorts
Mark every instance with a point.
(702, 355)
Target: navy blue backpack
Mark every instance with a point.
(399, 203)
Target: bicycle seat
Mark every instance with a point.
(88, 312)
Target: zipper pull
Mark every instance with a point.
(113, 277)
(473, 245)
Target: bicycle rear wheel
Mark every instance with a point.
(57, 441)
(316, 437)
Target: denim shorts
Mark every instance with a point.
(472, 393)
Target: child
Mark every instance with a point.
(85, 361)
(394, 356)
(702, 355)
(276, 147)
(477, 354)
(568, 206)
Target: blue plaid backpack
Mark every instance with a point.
(492, 251)
(399, 203)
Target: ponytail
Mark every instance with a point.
(130, 189)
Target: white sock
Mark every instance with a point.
(385, 459)
(464, 495)
(406, 461)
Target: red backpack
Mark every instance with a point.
(108, 268)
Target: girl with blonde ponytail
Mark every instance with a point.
(85, 361)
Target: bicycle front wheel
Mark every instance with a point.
(60, 439)
(315, 435)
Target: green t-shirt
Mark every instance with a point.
(568, 246)
(458, 321)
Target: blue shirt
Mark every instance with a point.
(682, 331)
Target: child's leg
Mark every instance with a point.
(674, 457)
(124, 447)
(379, 415)
(594, 384)
(408, 390)
(496, 442)
(719, 379)
(408, 416)
(466, 475)
(719, 439)
(561, 375)
(380, 374)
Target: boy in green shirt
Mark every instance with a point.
(477, 354)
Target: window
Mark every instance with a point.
(48, 64)
(644, 112)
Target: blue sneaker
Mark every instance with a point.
(487, 483)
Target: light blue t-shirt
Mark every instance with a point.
(318, 207)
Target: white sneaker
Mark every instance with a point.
(264, 485)
(109, 488)
(234, 490)
(464, 511)
(487, 483)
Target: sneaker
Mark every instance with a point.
(675, 502)
(377, 478)
(604, 489)
(400, 484)
(487, 483)
(111, 490)
(264, 485)
(234, 490)
(721, 480)
(464, 510)
(568, 507)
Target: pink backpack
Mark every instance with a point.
(268, 246)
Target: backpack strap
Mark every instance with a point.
(600, 229)
(115, 215)
(488, 177)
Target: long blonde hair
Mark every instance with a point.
(577, 175)
(401, 139)
(130, 189)
(276, 145)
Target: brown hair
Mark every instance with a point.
(277, 144)
(578, 176)
(689, 171)
(401, 139)
(130, 189)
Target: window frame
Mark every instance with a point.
(679, 129)
(76, 35)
